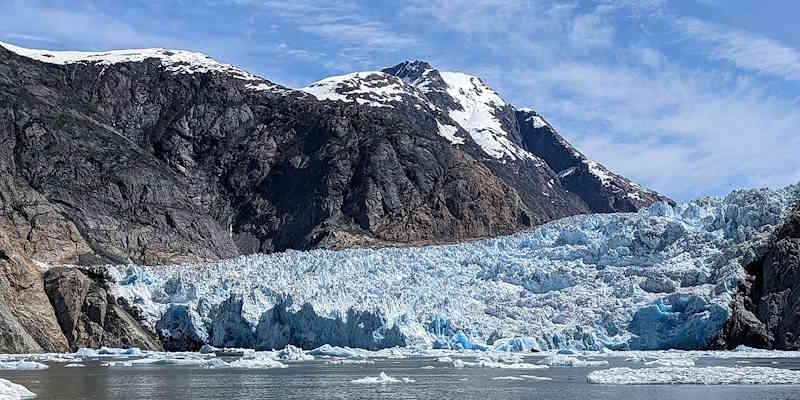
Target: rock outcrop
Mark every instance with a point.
(88, 315)
(766, 309)
(27, 320)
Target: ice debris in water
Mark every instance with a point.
(74, 365)
(257, 363)
(536, 378)
(483, 362)
(292, 353)
(109, 351)
(508, 378)
(327, 350)
(381, 379)
(695, 375)
(12, 391)
(660, 278)
(671, 362)
(558, 360)
(22, 365)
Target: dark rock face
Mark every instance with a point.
(766, 309)
(131, 163)
(88, 316)
(602, 190)
(27, 320)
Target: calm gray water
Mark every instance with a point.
(318, 380)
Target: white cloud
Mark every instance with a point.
(681, 132)
(746, 50)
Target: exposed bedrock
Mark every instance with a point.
(88, 315)
(766, 309)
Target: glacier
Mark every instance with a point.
(657, 279)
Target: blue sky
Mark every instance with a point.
(691, 98)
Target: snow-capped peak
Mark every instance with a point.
(468, 101)
(372, 88)
(175, 61)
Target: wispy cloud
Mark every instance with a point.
(681, 132)
(744, 49)
(339, 21)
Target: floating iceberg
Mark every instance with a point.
(327, 350)
(488, 363)
(349, 362)
(109, 351)
(292, 353)
(558, 360)
(660, 278)
(12, 391)
(74, 365)
(695, 375)
(22, 365)
(381, 379)
(671, 362)
(508, 378)
(257, 363)
(536, 378)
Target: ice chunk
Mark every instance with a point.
(381, 379)
(12, 391)
(696, 376)
(559, 360)
(291, 353)
(488, 363)
(327, 350)
(208, 349)
(671, 362)
(116, 364)
(516, 344)
(74, 365)
(536, 378)
(109, 351)
(215, 363)
(508, 378)
(348, 362)
(22, 365)
(257, 363)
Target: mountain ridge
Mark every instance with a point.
(224, 139)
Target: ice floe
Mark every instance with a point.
(695, 375)
(559, 360)
(12, 391)
(22, 365)
(381, 379)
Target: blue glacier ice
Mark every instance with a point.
(660, 278)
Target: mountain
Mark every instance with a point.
(154, 156)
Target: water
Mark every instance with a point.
(319, 380)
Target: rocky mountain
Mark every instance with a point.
(155, 156)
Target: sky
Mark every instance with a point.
(690, 98)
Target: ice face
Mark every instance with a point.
(660, 278)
